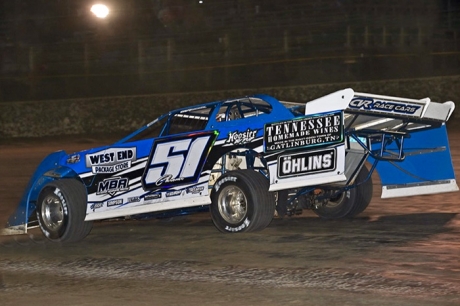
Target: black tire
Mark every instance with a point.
(241, 202)
(363, 193)
(61, 211)
(282, 202)
(349, 203)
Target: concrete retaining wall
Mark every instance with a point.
(125, 114)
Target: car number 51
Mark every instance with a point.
(177, 160)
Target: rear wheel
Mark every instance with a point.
(349, 203)
(61, 210)
(241, 202)
(363, 193)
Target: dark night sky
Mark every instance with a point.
(60, 44)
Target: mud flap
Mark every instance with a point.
(425, 169)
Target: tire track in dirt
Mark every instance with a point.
(193, 271)
(408, 247)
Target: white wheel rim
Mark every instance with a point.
(233, 205)
(52, 212)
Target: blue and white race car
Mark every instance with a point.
(247, 159)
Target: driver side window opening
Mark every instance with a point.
(188, 120)
(243, 108)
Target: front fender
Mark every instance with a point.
(49, 169)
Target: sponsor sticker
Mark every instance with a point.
(114, 202)
(111, 169)
(111, 160)
(73, 159)
(372, 104)
(239, 138)
(308, 131)
(173, 193)
(95, 206)
(195, 190)
(113, 185)
(152, 196)
(306, 163)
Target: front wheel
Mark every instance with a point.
(61, 210)
(241, 202)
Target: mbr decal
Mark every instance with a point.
(113, 185)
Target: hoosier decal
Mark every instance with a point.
(304, 132)
(306, 163)
(111, 160)
(238, 138)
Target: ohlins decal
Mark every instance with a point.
(306, 163)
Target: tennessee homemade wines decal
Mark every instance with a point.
(308, 131)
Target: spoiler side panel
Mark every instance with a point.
(426, 169)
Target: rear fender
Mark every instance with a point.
(48, 170)
(426, 166)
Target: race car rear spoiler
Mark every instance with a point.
(348, 99)
(409, 135)
(422, 108)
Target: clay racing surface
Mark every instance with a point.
(402, 251)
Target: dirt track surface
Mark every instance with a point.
(398, 252)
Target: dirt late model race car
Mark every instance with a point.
(247, 159)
